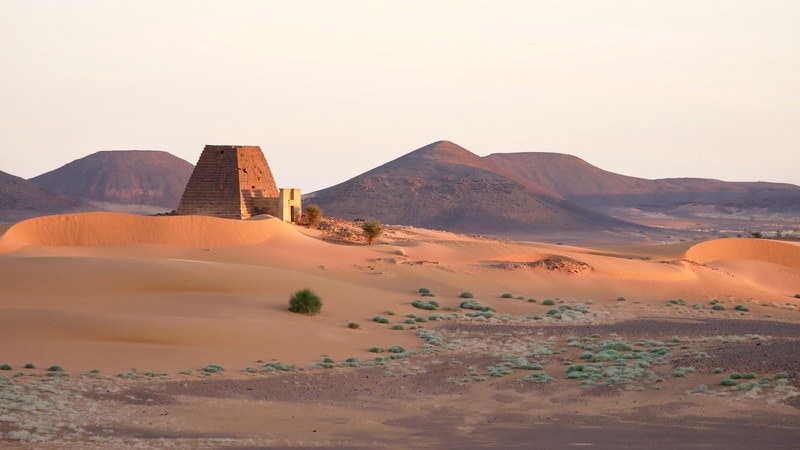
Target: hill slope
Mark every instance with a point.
(581, 182)
(21, 199)
(444, 186)
(119, 180)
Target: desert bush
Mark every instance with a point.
(474, 305)
(380, 319)
(728, 382)
(718, 307)
(376, 349)
(507, 295)
(698, 389)
(718, 370)
(30, 366)
(313, 215)
(305, 301)
(681, 372)
(213, 368)
(781, 376)
(539, 377)
(396, 349)
(279, 367)
(421, 304)
(354, 325)
(55, 369)
(371, 229)
(796, 295)
(466, 294)
(5, 367)
(620, 299)
(425, 292)
(555, 313)
(676, 301)
(741, 308)
(400, 326)
(531, 300)
(549, 302)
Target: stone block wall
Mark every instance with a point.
(226, 180)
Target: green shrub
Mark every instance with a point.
(554, 313)
(539, 377)
(531, 300)
(422, 304)
(354, 325)
(549, 302)
(620, 299)
(728, 382)
(781, 376)
(399, 326)
(507, 295)
(719, 370)
(396, 349)
(5, 367)
(213, 368)
(466, 294)
(425, 292)
(718, 307)
(735, 376)
(371, 229)
(380, 319)
(474, 305)
(681, 372)
(30, 366)
(313, 215)
(305, 301)
(376, 349)
(55, 369)
(699, 388)
(279, 367)
(741, 308)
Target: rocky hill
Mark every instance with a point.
(123, 180)
(579, 181)
(444, 186)
(20, 199)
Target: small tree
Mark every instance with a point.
(372, 229)
(313, 215)
(305, 301)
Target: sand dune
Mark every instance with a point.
(115, 291)
(776, 252)
(107, 229)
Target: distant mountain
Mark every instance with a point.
(444, 186)
(122, 180)
(583, 183)
(20, 199)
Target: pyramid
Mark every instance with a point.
(235, 181)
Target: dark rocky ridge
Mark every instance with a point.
(21, 199)
(444, 186)
(118, 179)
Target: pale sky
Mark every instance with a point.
(331, 89)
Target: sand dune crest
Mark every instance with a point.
(109, 229)
(776, 252)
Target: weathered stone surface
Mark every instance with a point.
(230, 181)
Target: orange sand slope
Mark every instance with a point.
(104, 229)
(117, 291)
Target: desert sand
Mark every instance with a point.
(134, 308)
